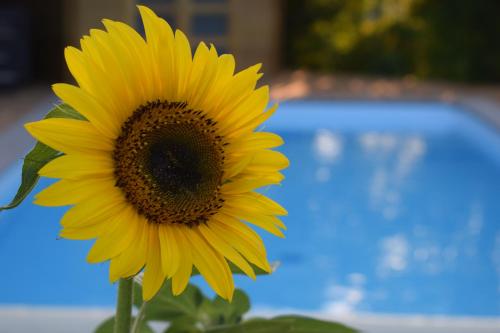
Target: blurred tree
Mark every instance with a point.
(458, 39)
(454, 39)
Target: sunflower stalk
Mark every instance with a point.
(136, 327)
(124, 306)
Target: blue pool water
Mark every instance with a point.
(393, 208)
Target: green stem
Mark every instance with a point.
(137, 322)
(124, 306)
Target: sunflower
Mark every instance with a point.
(164, 171)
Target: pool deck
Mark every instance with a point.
(484, 100)
(16, 108)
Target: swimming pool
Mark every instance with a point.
(393, 208)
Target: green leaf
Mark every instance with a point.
(252, 326)
(237, 308)
(221, 311)
(64, 111)
(167, 307)
(284, 324)
(191, 310)
(40, 155)
(108, 325)
(183, 325)
(300, 324)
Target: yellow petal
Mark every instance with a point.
(118, 53)
(270, 204)
(160, 38)
(153, 274)
(273, 177)
(253, 123)
(99, 207)
(181, 277)
(133, 258)
(70, 136)
(89, 107)
(183, 61)
(149, 20)
(238, 89)
(153, 32)
(256, 202)
(267, 160)
(76, 166)
(115, 242)
(250, 108)
(69, 192)
(268, 223)
(104, 225)
(91, 231)
(141, 55)
(92, 51)
(226, 66)
(255, 141)
(103, 63)
(77, 66)
(170, 252)
(242, 238)
(224, 73)
(226, 250)
(203, 72)
(166, 71)
(107, 60)
(236, 164)
(211, 265)
(243, 185)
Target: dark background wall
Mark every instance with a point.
(30, 41)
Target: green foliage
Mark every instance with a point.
(193, 312)
(40, 155)
(108, 325)
(458, 39)
(223, 313)
(167, 306)
(326, 34)
(285, 324)
(453, 39)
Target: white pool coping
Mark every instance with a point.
(27, 319)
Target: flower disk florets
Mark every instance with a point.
(169, 163)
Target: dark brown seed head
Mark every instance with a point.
(169, 163)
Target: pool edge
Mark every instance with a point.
(18, 319)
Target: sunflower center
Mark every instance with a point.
(169, 163)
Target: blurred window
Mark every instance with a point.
(209, 24)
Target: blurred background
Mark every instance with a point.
(395, 176)
(385, 49)
(455, 40)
